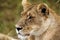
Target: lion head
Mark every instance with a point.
(34, 18)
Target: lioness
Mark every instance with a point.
(38, 22)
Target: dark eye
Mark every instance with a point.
(30, 17)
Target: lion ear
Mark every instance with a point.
(25, 4)
(43, 8)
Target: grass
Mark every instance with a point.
(10, 13)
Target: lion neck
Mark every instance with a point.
(49, 23)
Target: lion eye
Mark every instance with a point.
(30, 17)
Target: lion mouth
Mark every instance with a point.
(23, 34)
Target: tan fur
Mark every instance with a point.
(5, 37)
(39, 22)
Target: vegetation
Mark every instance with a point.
(10, 13)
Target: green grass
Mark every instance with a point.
(10, 12)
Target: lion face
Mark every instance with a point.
(33, 20)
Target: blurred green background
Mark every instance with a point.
(10, 13)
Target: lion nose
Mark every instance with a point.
(19, 28)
